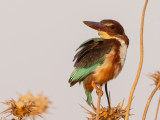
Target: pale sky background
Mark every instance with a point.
(38, 39)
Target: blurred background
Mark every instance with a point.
(38, 39)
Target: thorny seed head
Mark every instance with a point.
(114, 113)
(39, 100)
(27, 106)
(156, 78)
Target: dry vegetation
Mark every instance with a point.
(27, 106)
(107, 113)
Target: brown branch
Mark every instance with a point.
(140, 63)
(98, 104)
(149, 100)
(157, 109)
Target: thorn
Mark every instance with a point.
(93, 107)
(122, 103)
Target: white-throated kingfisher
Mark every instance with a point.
(100, 59)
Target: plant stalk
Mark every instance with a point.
(149, 100)
(140, 63)
(98, 104)
(157, 109)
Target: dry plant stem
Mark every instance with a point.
(149, 100)
(98, 104)
(140, 64)
(157, 109)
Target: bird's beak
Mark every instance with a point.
(95, 25)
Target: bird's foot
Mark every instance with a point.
(99, 92)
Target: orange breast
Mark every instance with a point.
(108, 70)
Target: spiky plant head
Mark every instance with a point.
(20, 109)
(42, 103)
(156, 78)
(27, 106)
(106, 113)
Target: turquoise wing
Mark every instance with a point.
(88, 94)
(91, 54)
(79, 74)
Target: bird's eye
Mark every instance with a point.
(112, 26)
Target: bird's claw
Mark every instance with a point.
(99, 92)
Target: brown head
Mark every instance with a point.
(108, 29)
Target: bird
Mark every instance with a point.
(100, 59)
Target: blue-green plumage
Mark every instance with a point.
(80, 74)
(88, 94)
(86, 66)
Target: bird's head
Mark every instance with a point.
(107, 29)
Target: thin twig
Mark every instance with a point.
(140, 63)
(149, 100)
(157, 109)
(98, 104)
(92, 106)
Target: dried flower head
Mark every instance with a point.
(114, 113)
(155, 77)
(39, 100)
(27, 106)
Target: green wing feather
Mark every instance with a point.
(79, 74)
(91, 55)
(88, 94)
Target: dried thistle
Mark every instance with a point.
(113, 113)
(39, 100)
(27, 106)
(156, 78)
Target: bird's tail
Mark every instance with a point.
(88, 94)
